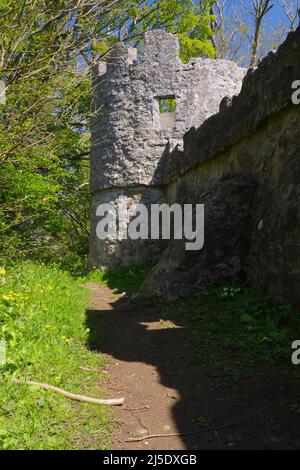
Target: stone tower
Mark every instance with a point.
(131, 135)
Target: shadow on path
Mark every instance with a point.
(167, 391)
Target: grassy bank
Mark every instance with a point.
(42, 313)
(236, 331)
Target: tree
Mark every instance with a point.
(230, 31)
(260, 9)
(189, 19)
(46, 50)
(242, 32)
(291, 10)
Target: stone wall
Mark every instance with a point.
(242, 163)
(131, 139)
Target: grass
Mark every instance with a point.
(237, 331)
(42, 313)
(124, 279)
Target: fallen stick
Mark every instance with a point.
(202, 431)
(72, 396)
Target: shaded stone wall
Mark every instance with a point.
(244, 164)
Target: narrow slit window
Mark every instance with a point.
(167, 105)
(167, 112)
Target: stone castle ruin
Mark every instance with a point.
(131, 138)
(202, 132)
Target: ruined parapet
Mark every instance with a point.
(132, 137)
(129, 134)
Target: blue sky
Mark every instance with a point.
(275, 15)
(273, 33)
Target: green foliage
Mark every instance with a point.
(42, 313)
(167, 105)
(193, 47)
(235, 328)
(124, 279)
(44, 139)
(189, 19)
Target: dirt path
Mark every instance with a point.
(166, 391)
